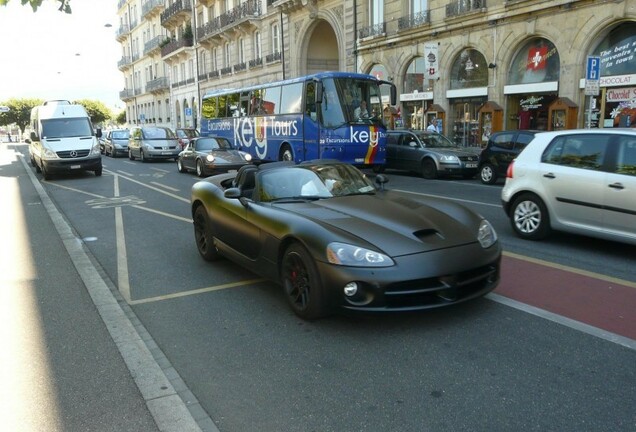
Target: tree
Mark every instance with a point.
(35, 4)
(19, 112)
(97, 111)
(121, 118)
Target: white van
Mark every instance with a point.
(62, 139)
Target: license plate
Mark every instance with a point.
(166, 153)
(471, 165)
(76, 166)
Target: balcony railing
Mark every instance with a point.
(460, 7)
(153, 44)
(126, 94)
(122, 31)
(236, 16)
(158, 84)
(271, 58)
(123, 62)
(413, 20)
(150, 6)
(175, 9)
(373, 30)
(175, 45)
(256, 62)
(240, 67)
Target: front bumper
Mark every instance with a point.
(421, 281)
(68, 165)
(162, 154)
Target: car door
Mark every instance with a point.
(411, 152)
(189, 156)
(573, 179)
(619, 212)
(392, 143)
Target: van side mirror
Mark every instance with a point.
(34, 136)
(98, 133)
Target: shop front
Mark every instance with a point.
(533, 84)
(467, 94)
(615, 105)
(417, 95)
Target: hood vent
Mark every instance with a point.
(429, 236)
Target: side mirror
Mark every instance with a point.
(381, 180)
(98, 133)
(319, 91)
(232, 192)
(34, 136)
(28, 141)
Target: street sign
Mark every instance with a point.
(592, 76)
(593, 69)
(188, 112)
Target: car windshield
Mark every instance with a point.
(313, 182)
(158, 133)
(187, 133)
(436, 140)
(119, 134)
(66, 128)
(207, 144)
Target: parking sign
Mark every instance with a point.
(593, 70)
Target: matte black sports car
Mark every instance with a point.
(334, 240)
(211, 155)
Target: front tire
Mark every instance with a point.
(487, 174)
(429, 169)
(203, 235)
(180, 166)
(529, 217)
(98, 172)
(200, 171)
(301, 283)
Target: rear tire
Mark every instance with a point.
(529, 217)
(487, 174)
(301, 283)
(203, 235)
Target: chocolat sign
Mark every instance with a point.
(621, 94)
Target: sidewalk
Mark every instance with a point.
(71, 360)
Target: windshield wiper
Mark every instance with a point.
(301, 198)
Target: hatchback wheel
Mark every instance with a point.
(529, 217)
(487, 174)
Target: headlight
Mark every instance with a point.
(349, 255)
(50, 154)
(209, 158)
(247, 156)
(96, 150)
(449, 158)
(486, 234)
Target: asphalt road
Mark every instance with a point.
(254, 366)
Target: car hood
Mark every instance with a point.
(120, 141)
(396, 223)
(225, 156)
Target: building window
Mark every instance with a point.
(214, 59)
(257, 45)
(275, 38)
(376, 11)
(227, 55)
(241, 50)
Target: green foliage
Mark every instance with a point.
(97, 111)
(19, 112)
(120, 119)
(35, 4)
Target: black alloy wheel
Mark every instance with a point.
(301, 283)
(203, 235)
(429, 169)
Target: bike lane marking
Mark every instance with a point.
(603, 302)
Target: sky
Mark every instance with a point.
(48, 54)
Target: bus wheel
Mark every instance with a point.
(285, 153)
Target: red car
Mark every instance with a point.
(185, 135)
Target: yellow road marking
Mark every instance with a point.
(196, 291)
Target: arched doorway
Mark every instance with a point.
(322, 49)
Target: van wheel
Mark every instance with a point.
(45, 173)
(130, 155)
(37, 168)
(487, 174)
(98, 172)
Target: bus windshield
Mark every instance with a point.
(359, 99)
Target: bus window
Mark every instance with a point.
(331, 108)
(222, 106)
(245, 102)
(233, 105)
(209, 108)
(291, 97)
(310, 100)
(271, 100)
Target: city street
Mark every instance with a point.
(552, 348)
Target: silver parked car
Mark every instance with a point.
(580, 181)
(116, 142)
(153, 142)
(429, 154)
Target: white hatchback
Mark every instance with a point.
(579, 181)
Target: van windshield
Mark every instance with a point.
(66, 128)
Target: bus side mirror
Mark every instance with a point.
(319, 90)
(393, 95)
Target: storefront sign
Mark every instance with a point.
(617, 80)
(532, 102)
(431, 57)
(416, 96)
(622, 94)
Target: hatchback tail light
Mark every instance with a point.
(509, 171)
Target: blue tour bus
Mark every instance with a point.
(311, 117)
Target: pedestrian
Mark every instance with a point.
(431, 127)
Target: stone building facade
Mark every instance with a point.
(471, 66)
